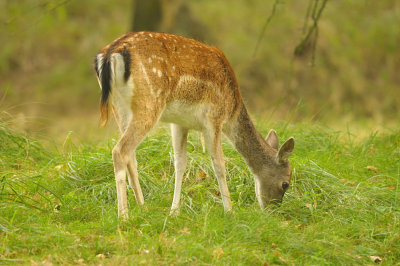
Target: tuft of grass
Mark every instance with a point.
(342, 207)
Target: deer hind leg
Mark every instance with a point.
(124, 155)
(213, 139)
(120, 182)
(179, 140)
(132, 165)
(134, 180)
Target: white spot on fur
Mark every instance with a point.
(154, 70)
(158, 57)
(159, 73)
(151, 35)
(173, 67)
(147, 77)
(150, 60)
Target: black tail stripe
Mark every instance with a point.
(127, 62)
(105, 80)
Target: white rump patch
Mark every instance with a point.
(99, 63)
(121, 99)
(117, 69)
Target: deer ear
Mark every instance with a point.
(272, 139)
(285, 151)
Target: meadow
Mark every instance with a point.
(58, 205)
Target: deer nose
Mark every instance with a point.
(285, 185)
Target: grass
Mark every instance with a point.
(60, 206)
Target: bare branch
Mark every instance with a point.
(312, 31)
(307, 16)
(265, 26)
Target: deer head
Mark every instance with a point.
(273, 178)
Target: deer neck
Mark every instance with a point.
(248, 141)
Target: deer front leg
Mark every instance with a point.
(179, 140)
(213, 139)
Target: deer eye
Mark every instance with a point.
(285, 185)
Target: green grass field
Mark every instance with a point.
(59, 205)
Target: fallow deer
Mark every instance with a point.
(147, 77)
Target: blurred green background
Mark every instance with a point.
(47, 81)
